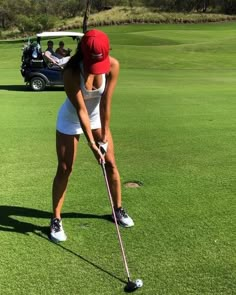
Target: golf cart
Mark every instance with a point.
(37, 71)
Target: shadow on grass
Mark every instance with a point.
(24, 88)
(10, 223)
(84, 259)
(14, 88)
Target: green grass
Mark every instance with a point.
(173, 121)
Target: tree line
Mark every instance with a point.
(217, 6)
(37, 15)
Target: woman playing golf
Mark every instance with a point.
(90, 78)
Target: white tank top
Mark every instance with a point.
(92, 97)
(68, 120)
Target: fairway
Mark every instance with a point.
(173, 123)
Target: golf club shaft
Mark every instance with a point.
(115, 219)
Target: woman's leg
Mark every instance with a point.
(113, 177)
(66, 146)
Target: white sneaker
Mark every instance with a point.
(57, 233)
(123, 218)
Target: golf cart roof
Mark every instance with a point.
(60, 34)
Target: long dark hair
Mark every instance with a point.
(75, 60)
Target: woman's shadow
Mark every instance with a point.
(9, 219)
(9, 222)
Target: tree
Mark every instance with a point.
(86, 15)
(229, 6)
(4, 18)
(71, 8)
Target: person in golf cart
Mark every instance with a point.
(61, 51)
(90, 78)
(53, 57)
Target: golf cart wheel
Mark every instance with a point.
(37, 84)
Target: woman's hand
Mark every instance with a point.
(104, 137)
(97, 153)
(103, 146)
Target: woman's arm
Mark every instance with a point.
(105, 106)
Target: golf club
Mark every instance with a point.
(130, 286)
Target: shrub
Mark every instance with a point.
(35, 24)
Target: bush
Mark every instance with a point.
(35, 24)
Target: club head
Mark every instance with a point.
(132, 286)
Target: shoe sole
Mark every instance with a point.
(123, 224)
(56, 241)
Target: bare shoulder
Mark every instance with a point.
(71, 81)
(67, 75)
(70, 75)
(115, 65)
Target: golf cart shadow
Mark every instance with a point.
(11, 219)
(22, 88)
(13, 88)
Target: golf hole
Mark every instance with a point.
(133, 184)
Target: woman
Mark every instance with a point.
(90, 78)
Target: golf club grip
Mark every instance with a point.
(102, 150)
(102, 147)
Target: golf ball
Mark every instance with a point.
(139, 283)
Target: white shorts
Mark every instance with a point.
(68, 120)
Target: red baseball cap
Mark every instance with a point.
(95, 47)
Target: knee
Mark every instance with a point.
(112, 169)
(110, 165)
(64, 170)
